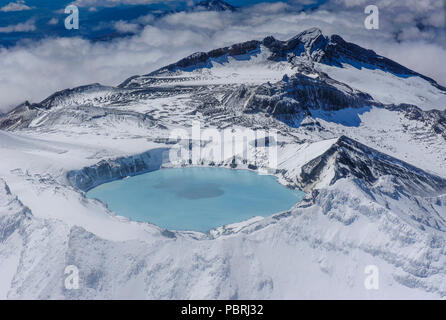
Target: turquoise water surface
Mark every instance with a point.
(197, 199)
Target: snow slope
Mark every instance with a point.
(390, 88)
(319, 249)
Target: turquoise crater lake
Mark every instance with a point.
(196, 199)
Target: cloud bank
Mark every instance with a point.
(20, 27)
(32, 71)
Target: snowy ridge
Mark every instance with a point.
(349, 158)
(213, 5)
(291, 99)
(310, 44)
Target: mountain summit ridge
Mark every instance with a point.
(213, 5)
(311, 43)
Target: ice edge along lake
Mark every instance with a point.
(196, 198)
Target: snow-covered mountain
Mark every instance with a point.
(361, 134)
(213, 5)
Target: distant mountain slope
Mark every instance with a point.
(213, 5)
(311, 44)
(309, 52)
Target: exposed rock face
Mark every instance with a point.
(394, 184)
(334, 50)
(309, 43)
(201, 59)
(213, 5)
(294, 97)
(435, 119)
(348, 158)
(22, 115)
(12, 212)
(109, 170)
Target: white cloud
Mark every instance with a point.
(53, 21)
(420, 56)
(20, 27)
(397, 16)
(36, 71)
(125, 27)
(15, 6)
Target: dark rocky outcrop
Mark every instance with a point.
(351, 159)
(435, 119)
(294, 97)
(213, 5)
(201, 59)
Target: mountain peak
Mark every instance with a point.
(309, 34)
(350, 158)
(213, 5)
(310, 44)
